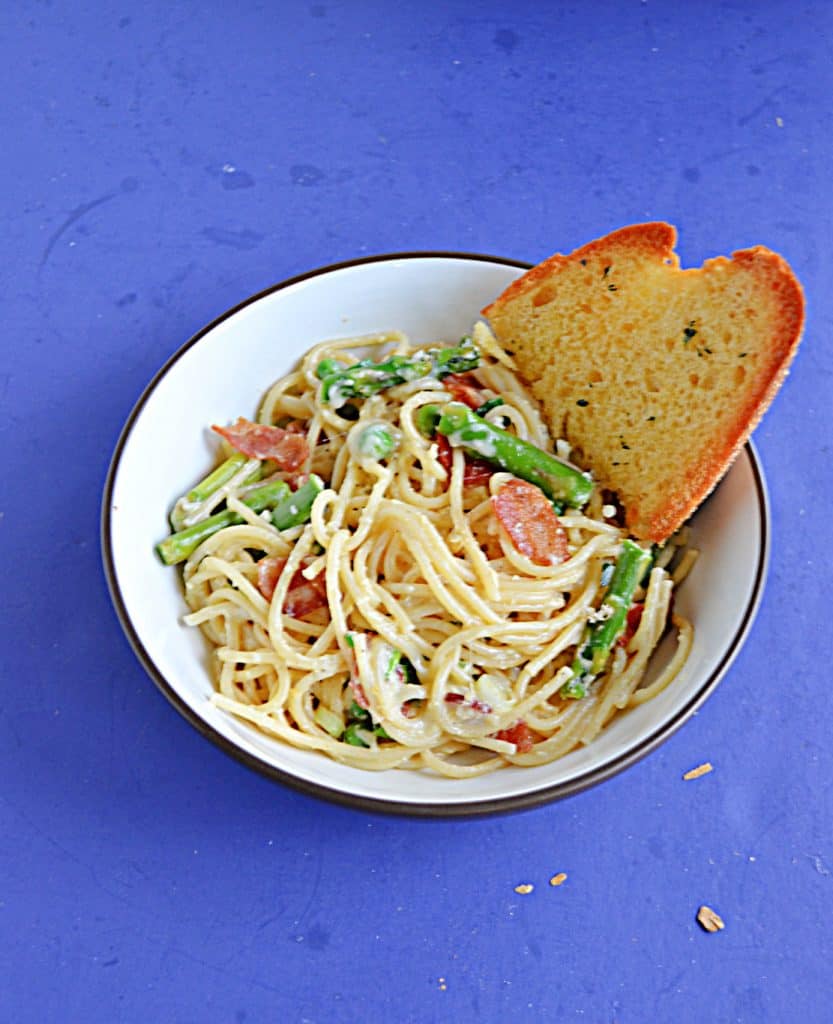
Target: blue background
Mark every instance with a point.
(160, 162)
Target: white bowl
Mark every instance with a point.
(222, 372)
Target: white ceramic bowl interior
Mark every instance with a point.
(222, 374)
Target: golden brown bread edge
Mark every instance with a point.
(655, 243)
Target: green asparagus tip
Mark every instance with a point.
(487, 406)
(427, 418)
(560, 482)
(296, 508)
(600, 637)
(575, 689)
(356, 713)
(329, 721)
(181, 545)
(352, 735)
(376, 441)
(327, 367)
(367, 378)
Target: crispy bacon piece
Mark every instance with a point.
(477, 471)
(520, 734)
(464, 388)
(295, 480)
(261, 441)
(304, 596)
(445, 452)
(268, 574)
(530, 522)
(475, 705)
(358, 693)
(634, 617)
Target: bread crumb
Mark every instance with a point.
(524, 890)
(701, 769)
(779, 121)
(558, 879)
(442, 984)
(709, 920)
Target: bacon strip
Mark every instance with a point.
(445, 453)
(634, 617)
(520, 734)
(464, 388)
(477, 471)
(304, 596)
(475, 705)
(261, 441)
(528, 518)
(359, 694)
(268, 574)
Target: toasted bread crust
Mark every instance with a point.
(601, 337)
(653, 241)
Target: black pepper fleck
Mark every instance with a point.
(582, 402)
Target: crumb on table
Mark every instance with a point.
(709, 919)
(701, 769)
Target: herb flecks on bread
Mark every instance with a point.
(656, 375)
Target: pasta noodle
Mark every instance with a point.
(404, 624)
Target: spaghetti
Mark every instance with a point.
(403, 601)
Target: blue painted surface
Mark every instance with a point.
(160, 163)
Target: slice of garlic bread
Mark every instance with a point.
(656, 375)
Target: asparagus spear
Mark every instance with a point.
(329, 721)
(181, 545)
(557, 480)
(327, 367)
(600, 637)
(213, 482)
(376, 441)
(353, 735)
(360, 724)
(294, 509)
(367, 378)
(427, 417)
(489, 404)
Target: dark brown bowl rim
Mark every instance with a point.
(471, 808)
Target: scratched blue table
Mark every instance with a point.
(161, 162)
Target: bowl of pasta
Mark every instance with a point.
(367, 569)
